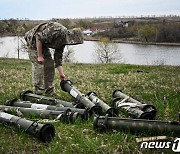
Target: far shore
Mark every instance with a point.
(89, 38)
(134, 42)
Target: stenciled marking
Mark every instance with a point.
(73, 93)
(6, 116)
(39, 106)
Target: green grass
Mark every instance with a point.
(154, 84)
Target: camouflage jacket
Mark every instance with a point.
(53, 35)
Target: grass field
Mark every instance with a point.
(158, 85)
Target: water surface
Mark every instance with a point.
(85, 53)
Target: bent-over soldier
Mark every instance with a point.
(39, 39)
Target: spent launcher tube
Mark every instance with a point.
(44, 132)
(152, 127)
(67, 86)
(27, 104)
(142, 110)
(29, 96)
(65, 116)
(133, 110)
(108, 110)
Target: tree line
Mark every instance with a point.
(158, 32)
(164, 31)
(19, 27)
(14, 27)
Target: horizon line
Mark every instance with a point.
(122, 16)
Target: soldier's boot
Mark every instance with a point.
(50, 92)
(38, 91)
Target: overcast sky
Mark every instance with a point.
(47, 9)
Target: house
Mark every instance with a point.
(95, 30)
(88, 32)
(121, 24)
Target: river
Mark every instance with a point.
(85, 53)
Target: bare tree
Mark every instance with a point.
(21, 46)
(107, 51)
(68, 55)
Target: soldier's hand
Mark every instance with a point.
(40, 60)
(62, 76)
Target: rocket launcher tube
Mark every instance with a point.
(67, 86)
(118, 93)
(133, 110)
(29, 96)
(152, 127)
(50, 114)
(142, 106)
(45, 132)
(109, 110)
(26, 104)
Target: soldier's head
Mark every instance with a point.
(74, 36)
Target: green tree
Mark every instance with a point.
(147, 33)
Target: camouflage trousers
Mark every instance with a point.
(42, 74)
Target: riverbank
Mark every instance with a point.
(146, 43)
(89, 38)
(157, 85)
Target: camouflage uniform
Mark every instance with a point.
(52, 35)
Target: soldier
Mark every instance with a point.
(39, 40)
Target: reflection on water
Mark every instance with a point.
(85, 53)
(133, 54)
(9, 47)
(150, 54)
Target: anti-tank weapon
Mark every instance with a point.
(106, 108)
(135, 108)
(29, 96)
(28, 104)
(67, 86)
(152, 127)
(45, 132)
(65, 116)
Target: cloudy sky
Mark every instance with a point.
(47, 9)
